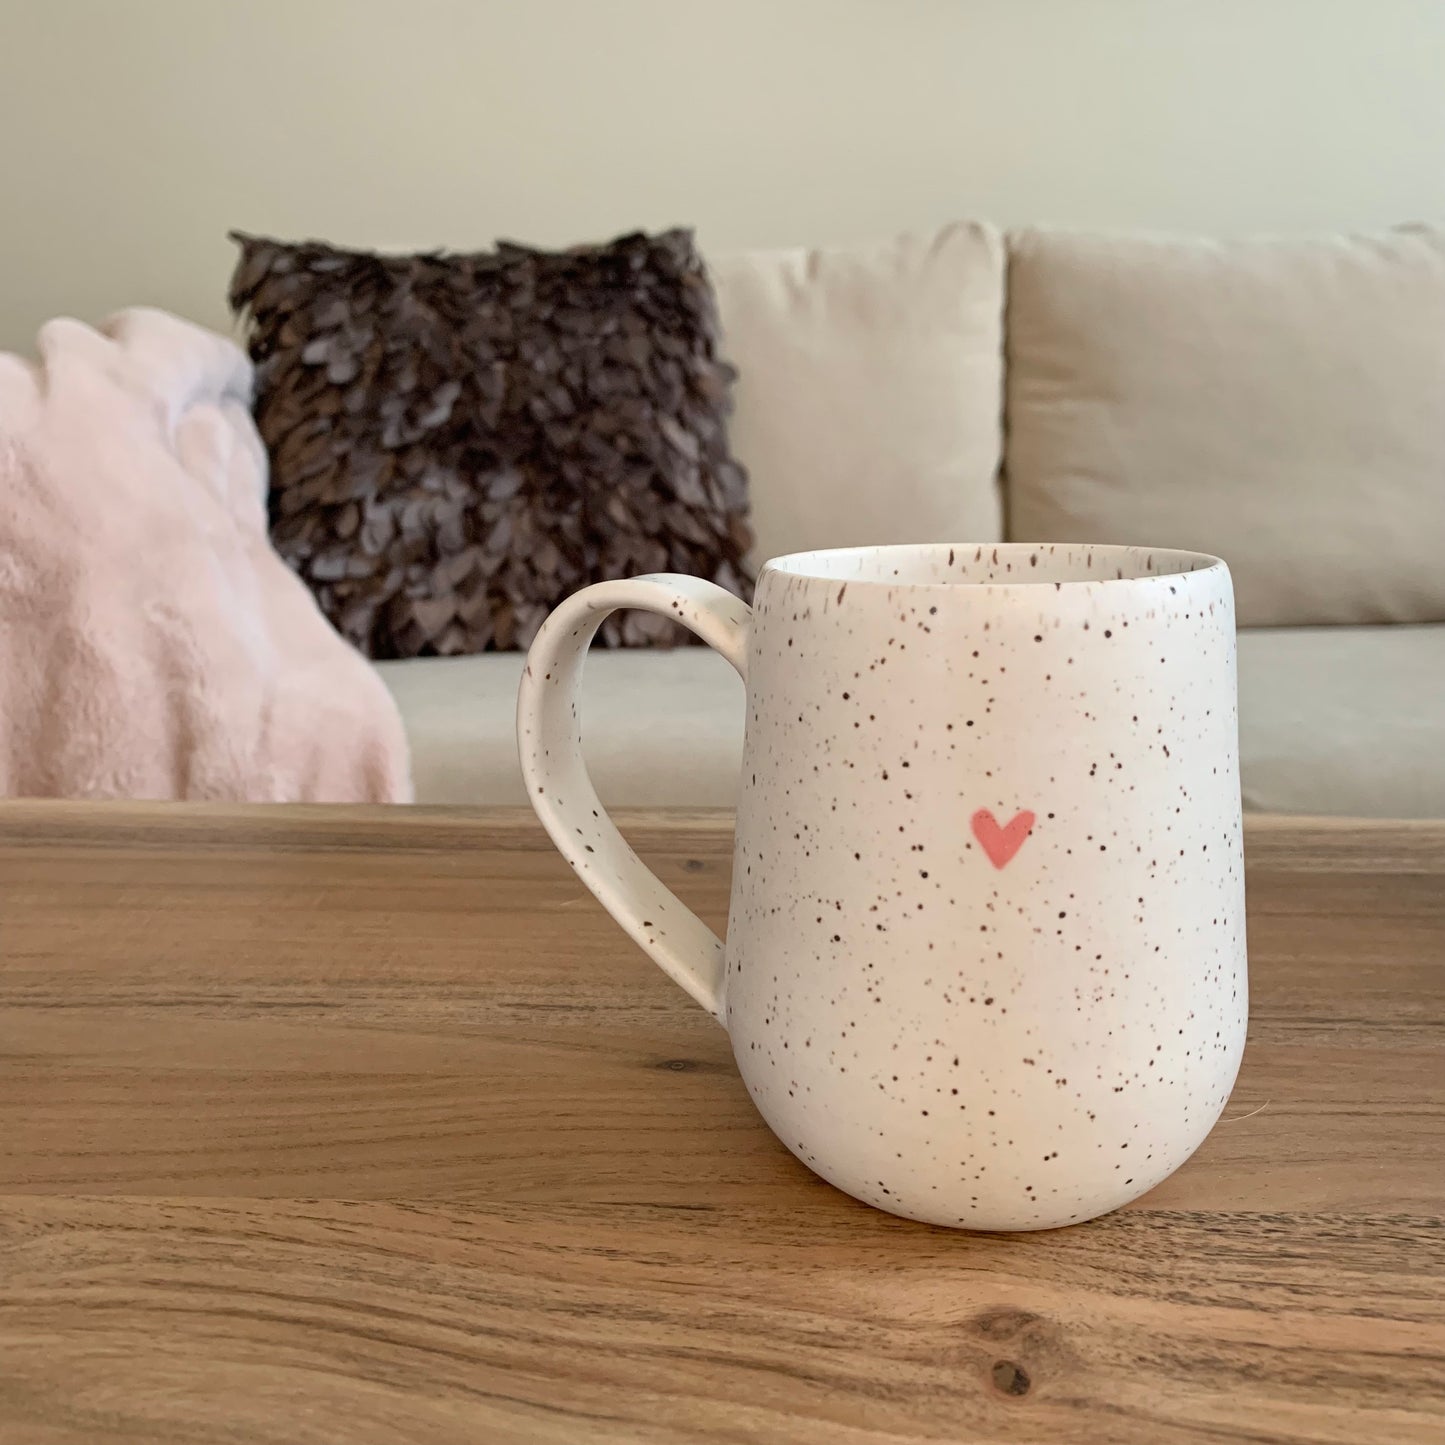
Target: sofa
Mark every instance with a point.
(1279, 403)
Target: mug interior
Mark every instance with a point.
(942, 564)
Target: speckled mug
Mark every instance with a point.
(985, 962)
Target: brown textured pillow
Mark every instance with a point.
(457, 442)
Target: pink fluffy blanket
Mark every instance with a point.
(152, 645)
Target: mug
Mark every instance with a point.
(985, 958)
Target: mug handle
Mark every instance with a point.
(549, 738)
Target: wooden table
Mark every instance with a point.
(369, 1126)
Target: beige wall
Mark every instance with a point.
(136, 131)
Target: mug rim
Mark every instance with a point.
(1131, 563)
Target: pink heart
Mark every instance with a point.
(1001, 843)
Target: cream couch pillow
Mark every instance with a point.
(1278, 403)
(870, 389)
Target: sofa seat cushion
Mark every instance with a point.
(660, 727)
(869, 399)
(1280, 404)
(1345, 720)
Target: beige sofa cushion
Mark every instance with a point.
(661, 727)
(1278, 403)
(1347, 720)
(1332, 720)
(870, 389)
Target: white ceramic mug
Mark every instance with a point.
(985, 962)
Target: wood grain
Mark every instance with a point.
(346, 1125)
